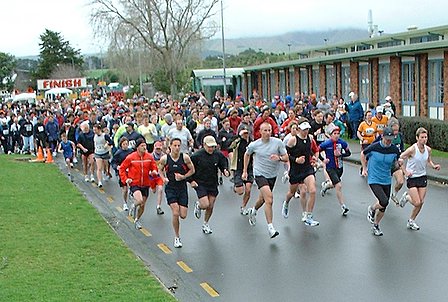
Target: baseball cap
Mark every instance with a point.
(388, 98)
(380, 109)
(388, 133)
(210, 141)
(304, 125)
(331, 128)
(351, 94)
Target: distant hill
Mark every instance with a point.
(279, 43)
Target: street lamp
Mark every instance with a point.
(289, 51)
(223, 52)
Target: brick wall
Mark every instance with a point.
(445, 85)
(354, 77)
(423, 66)
(246, 92)
(309, 68)
(374, 65)
(322, 81)
(395, 83)
(260, 82)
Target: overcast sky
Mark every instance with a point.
(24, 21)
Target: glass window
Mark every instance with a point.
(270, 97)
(282, 87)
(330, 82)
(383, 81)
(291, 83)
(435, 82)
(304, 81)
(364, 84)
(345, 77)
(408, 82)
(265, 85)
(316, 82)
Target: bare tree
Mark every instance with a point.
(167, 29)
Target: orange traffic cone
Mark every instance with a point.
(40, 155)
(49, 157)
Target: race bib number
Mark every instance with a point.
(28, 127)
(380, 127)
(321, 137)
(5, 132)
(132, 144)
(40, 128)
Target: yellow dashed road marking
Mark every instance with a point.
(213, 293)
(164, 248)
(184, 266)
(109, 198)
(145, 232)
(102, 191)
(130, 219)
(119, 209)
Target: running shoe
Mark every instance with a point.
(133, 211)
(75, 160)
(137, 224)
(323, 188)
(159, 211)
(394, 198)
(285, 209)
(370, 214)
(100, 184)
(220, 180)
(344, 210)
(404, 199)
(272, 232)
(285, 177)
(197, 210)
(177, 242)
(310, 221)
(297, 194)
(92, 179)
(125, 207)
(412, 225)
(252, 216)
(243, 211)
(86, 178)
(206, 229)
(376, 230)
(304, 216)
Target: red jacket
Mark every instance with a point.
(137, 168)
(260, 121)
(234, 122)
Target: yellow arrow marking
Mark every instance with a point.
(164, 248)
(184, 266)
(213, 293)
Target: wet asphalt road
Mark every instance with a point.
(340, 260)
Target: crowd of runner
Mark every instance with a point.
(161, 145)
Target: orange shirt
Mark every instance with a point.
(368, 132)
(381, 124)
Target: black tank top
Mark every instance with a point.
(172, 167)
(301, 148)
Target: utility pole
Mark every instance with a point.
(223, 52)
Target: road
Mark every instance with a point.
(340, 260)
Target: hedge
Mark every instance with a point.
(437, 131)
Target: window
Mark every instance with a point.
(291, 82)
(270, 97)
(345, 77)
(282, 87)
(330, 82)
(316, 82)
(435, 89)
(383, 81)
(364, 84)
(389, 43)
(304, 81)
(408, 88)
(265, 85)
(422, 39)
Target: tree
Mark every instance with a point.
(168, 30)
(55, 52)
(7, 65)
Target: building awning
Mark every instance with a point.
(217, 73)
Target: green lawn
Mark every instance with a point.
(54, 246)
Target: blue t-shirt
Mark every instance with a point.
(381, 159)
(67, 149)
(328, 147)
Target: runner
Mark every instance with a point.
(206, 162)
(102, 143)
(86, 145)
(302, 152)
(174, 169)
(377, 161)
(241, 186)
(156, 182)
(335, 149)
(117, 159)
(135, 171)
(67, 148)
(267, 152)
(366, 132)
(418, 156)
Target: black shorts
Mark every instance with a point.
(335, 175)
(202, 191)
(263, 181)
(177, 195)
(104, 156)
(239, 182)
(382, 193)
(296, 177)
(417, 182)
(143, 190)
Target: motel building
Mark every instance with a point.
(411, 67)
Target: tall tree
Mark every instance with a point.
(7, 66)
(54, 52)
(166, 29)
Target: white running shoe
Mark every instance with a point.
(92, 179)
(404, 199)
(297, 194)
(394, 198)
(272, 232)
(138, 224)
(285, 209)
(177, 242)
(75, 160)
(344, 210)
(244, 211)
(197, 210)
(125, 207)
(310, 221)
(412, 225)
(100, 184)
(376, 230)
(285, 177)
(304, 216)
(86, 178)
(206, 229)
(252, 216)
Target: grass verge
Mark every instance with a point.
(54, 246)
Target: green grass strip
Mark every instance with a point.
(54, 246)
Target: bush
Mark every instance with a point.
(437, 131)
